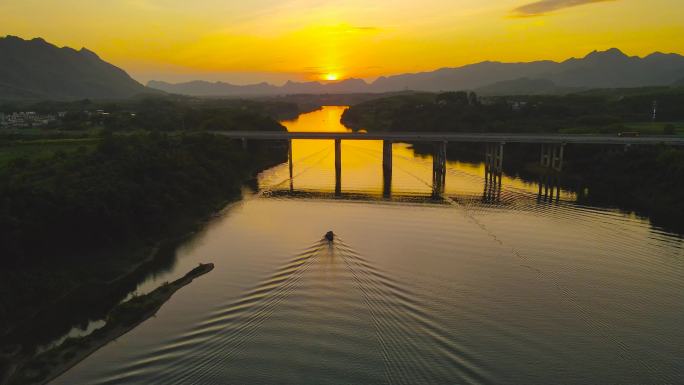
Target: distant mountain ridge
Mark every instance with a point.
(36, 69)
(599, 69)
(204, 88)
(525, 86)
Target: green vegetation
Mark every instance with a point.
(121, 319)
(168, 114)
(657, 128)
(129, 187)
(81, 211)
(643, 128)
(596, 112)
(162, 113)
(644, 179)
(22, 151)
(58, 213)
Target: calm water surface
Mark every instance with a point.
(487, 286)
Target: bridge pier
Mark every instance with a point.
(552, 156)
(549, 188)
(492, 187)
(387, 168)
(439, 169)
(244, 143)
(557, 161)
(494, 157)
(544, 157)
(338, 167)
(289, 162)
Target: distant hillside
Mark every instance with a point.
(204, 88)
(606, 69)
(35, 69)
(599, 69)
(524, 86)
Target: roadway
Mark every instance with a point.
(457, 137)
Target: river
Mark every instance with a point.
(492, 285)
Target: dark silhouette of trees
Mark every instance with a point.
(598, 111)
(129, 188)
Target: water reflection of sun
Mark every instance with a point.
(362, 170)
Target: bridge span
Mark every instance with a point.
(551, 155)
(458, 137)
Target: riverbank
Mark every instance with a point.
(641, 179)
(46, 366)
(97, 243)
(86, 215)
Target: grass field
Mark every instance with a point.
(43, 148)
(643, 128)
(655, 128)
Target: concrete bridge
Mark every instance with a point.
(456, 137)
(551, 154)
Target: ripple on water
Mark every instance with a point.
(493, 284)
(328, 302)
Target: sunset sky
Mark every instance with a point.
(275, 40)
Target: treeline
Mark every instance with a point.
(646, 179)
(130, 188)
(79, 219)
(171, 115)
(166, 113)
(596, 111)
(87, 216)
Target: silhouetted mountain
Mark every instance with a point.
(606, 69)
(202, 88)
(462, 78)
(35, 69)
(614, 69)
(524, 86)
(341, 87)
(599, 69)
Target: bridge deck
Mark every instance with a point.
(456, 137)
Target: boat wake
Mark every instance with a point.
(319, 304)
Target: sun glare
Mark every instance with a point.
(331, 76)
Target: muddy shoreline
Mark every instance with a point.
(125, 317)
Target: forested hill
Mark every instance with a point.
(605, 111)
(93, 203)
(644, 179)
(36, 69)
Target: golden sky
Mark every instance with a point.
(275, 40)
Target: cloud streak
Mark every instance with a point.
(542, 7)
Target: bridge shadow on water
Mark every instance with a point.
(494, 191)
(386, 172)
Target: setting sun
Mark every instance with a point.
(309, 40)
